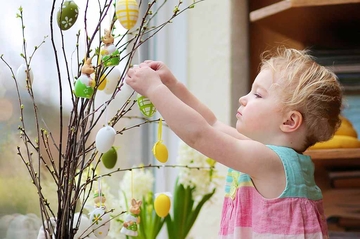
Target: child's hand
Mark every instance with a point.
(165, 74)
(143, 79)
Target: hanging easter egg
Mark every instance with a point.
(67, 15)
(105, 139)
(22, 77)
(100, 222)
(84, 227)
(84, 87)
(127, 12)
(112, 59)
(109, 158)
(112, 78)
(102, 83)
(160, 152)
(146, 106)
(162, 204)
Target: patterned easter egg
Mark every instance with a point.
(162, 205)
(112, 59)
(127, 12)
(112, 80)
(84, 87)
(109, 158)
(146, 107)
(100, 222)
(67, 15)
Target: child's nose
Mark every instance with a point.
(242, 100)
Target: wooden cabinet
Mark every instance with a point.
(340, 202)
(320, 24)
(329, 24)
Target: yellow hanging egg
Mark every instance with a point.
(162, 205)
(127, 12)
(160, 152)
(103, 82)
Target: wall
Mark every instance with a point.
(207, 49)
(218, 76)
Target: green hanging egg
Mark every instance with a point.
(109, 158)
(146, 107)
(67, 15)
(112, 59)
(83, 87)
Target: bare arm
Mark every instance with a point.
(244, 155)
(180, 91)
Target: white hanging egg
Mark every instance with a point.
(21, 76)
(105, 139)
(100, 221)
(127, 12)
(112, 80)
(84, 227)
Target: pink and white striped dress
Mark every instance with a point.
(296, 214)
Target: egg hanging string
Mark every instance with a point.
(132, 183)
(99, 189)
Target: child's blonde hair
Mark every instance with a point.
(309, 88)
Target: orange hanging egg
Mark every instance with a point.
(127, 12)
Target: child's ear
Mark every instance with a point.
(292, 121)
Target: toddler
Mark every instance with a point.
(293, 103)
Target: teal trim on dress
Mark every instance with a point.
(299, 172)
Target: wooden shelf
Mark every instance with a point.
(287, 4)
(330, 159)
(324, 23)
(341, 153)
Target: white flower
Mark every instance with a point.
(203, 178)
(136, 183)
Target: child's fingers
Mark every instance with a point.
(155, 65)
(130, 72)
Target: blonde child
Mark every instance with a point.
(271, 191)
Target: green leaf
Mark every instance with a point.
(182, 208)
(170, 225)
(178, 205)
(150, 223)
(194, 214)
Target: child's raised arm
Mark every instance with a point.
(242, 155)
(180, 91)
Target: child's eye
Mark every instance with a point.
(257, 95)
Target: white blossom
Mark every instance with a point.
(203, 178)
